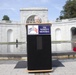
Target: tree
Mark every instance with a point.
(69, 10)
(5, 17)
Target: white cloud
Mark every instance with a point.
(57, 6)
(9, 9)
(13, 9)
(5, 9)
(6, 6)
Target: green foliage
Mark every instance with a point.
(69, 10)
(5, 17)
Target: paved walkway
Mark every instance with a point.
(10, 67)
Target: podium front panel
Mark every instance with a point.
(39, 55)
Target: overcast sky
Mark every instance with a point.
(12, 7)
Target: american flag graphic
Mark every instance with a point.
(30, 30)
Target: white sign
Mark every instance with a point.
(32, 29)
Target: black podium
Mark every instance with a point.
(39, 57)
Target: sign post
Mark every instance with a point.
(39, 57)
